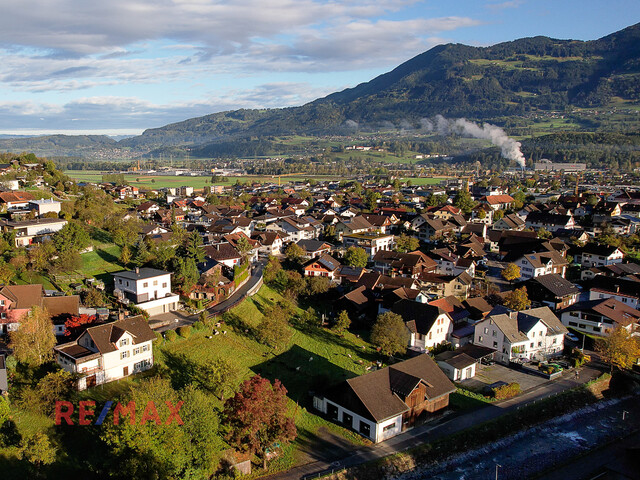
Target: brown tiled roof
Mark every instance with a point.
(24, 296)
(105, 336)
(376, 395)
(61, 305)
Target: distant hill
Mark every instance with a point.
(507, 80)
(64, 145)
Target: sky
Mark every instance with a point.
(118, 67)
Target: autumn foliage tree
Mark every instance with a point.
(619, 349)
(517, 299)
(511, 272)
(257, 418)
(77, 324)
(390, 334)
(33, 342)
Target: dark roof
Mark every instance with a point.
(375, 395)
(105, 336)
(557, 285)
(419, 317)
(609, 307)
(597, 249)
(312, 245)
(140, 274)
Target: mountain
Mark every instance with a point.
(507, 81)
(63, 145)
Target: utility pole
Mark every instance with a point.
(497, 467)
(624, 414)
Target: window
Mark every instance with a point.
(145, 284)
(2, 303)
(494, 333)
(574, 314)
(124, 341)
(155, 282)
(554, 341)
(531, 345)
(365, 429)
(3, 315)
(533, 334)
(541, 333)
(124, 355)
(136, 351)
(539, 344)
(145, 348)
(486, 330)
(386, 428)
(164, 285)
(495, 344)
(480, 338)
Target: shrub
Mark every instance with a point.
(506, 391)
(198, 325)
(171, 335)
(184, 332)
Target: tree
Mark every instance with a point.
(318, 285)
(544, 233)
(390, 334)
(72, 237)
(406, 243)
(271, 269)
(274, 330)
(218, 377)
(192, 247)
(257, 417)
(463, 201)
(38, 450)
(78, 324)
(294, 252)
(187, 274)
(142, 253)
(342, 323)
(371, 199)
(511, 272)
(33, 342)
(148, 449)
(356, 257)
(517, 299)
(243, 245)
(619, 349)
(497, 215)
(125, 256)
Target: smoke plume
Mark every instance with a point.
(509, 147)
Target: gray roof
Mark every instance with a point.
(557, 285)
(140, 274)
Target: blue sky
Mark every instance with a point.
(121, 66)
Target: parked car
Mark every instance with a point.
(572, 337)
(487, 361)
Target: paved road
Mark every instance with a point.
(184, 319)
(441, 427)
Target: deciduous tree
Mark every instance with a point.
(517, 299)
(390, 334)
(343, 322)
(257, 417)
(356, 257)
(619, 349)
(406, 243)
(511, 272)
(34, 340)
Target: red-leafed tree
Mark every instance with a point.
(257, 417)
(77, 324)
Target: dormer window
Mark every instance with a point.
(124, 341)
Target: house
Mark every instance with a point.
(47, 205)
(17, 300)
(553, 291)
(223, 253)
(595, 255)
(372, 243)
(147, 209)
(549, 221)
(543, 263)
(314, 248)
(15, 200)
(498, 202)
(270, 242)
(149, 289)
(428, 325)
(352, 226)
(509, 222)
(530, 334)
(624, 290)
(384, 403)
(433, 229)
(108, 352)
(34, 231)
(601, 317)
(4, 385)
(403, 264)
(461, 363)
(324, 266)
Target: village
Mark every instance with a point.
(380, 305)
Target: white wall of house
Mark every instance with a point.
(378, 432)
(455, 374)
(440, 332)
(633, 302)
(591, 260)
(153, 287)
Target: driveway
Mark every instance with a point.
(488, 374)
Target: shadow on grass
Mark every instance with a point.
(239, 325)
(302, 372)
(107, 257)
(182, 370)
(322, 445)
(100, 235)
(325, 336)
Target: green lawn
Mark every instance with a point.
(297, 366)
(422, 180)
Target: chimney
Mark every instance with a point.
(137, 270)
